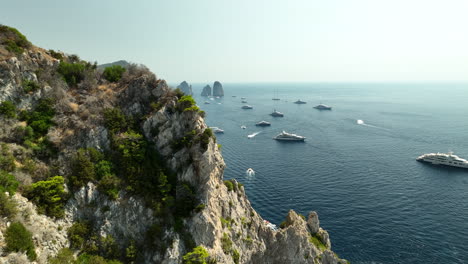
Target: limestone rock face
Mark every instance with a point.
(185, 87)
(206, 91)
(218, 89)
(313, 222)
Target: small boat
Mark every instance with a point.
(244, 101)
(263, 123)
(217, 130)
(276, 99)
(206, 102)
(217, 97)
(270, 225)
(247, 107)
(234, 96)
(250, 172)
(284, 136)
(243, 98)
(243, 127)
(300, 102)
(322, 107)
(277, 114)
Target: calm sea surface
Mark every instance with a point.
(378, 204)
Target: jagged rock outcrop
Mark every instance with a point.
(206, 90)
(218, 89)
(186, 88)
(226, 225)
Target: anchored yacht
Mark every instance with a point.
(250, 172)
(263, 123)
(284, 136)
(444, 159)
(322, 107)
(300, 102)
(244, 101)
(277, 114)
(247, 107)
(217, 130)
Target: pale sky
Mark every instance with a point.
(258, 40)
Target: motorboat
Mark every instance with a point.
(263, 123)
(284, 136)
(247, 107)
(300, 102)
(243, 127)
(206, 102)
(250, 172)
(244, 101)
(217, 130)
(277, 114)
(322, 107)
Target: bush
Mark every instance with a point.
(186, 103)
(40, 119)
(49, 196)
(235, 256)
(16, 36)
(199, 255)
(56, 55)
(11, 46)
(7, 206)
(8, 109)
(72, 73)
(229, 185)
(113, 73)
(315, 239)
(83, 167)
(114, 120)
(30, 86)
(226, 244)
(8, 183)
(19, 239)
(64, 256)
(78, 233)
(7, 160)
(205, 138)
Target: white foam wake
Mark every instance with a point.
(361, 122)
(254, 134)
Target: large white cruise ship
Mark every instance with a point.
(444, 159)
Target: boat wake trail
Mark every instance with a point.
(361, 122)
(254, 134)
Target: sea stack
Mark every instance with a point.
(206, 91)
(186, 88)
(218, 89)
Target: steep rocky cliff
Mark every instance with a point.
(206, 90)
(161, 194)
(218, 89)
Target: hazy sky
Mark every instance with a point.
(253, 40)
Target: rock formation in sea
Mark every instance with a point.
(218, 89)
(206, 90)
(124, 170)
(185, 87)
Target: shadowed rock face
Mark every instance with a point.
(186, 88)
(206, 91)
(218, 89)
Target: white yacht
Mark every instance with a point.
(206, 102)
(322, 107)
(277, 114)
(263, 123)
(217, 130)
(444, 159)
(243, 127)
(250, 172)
(247, 107)
(284, 136)
(244, 101)
(300, 102)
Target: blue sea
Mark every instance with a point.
(378, 204)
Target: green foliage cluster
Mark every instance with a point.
(186, 199)
(227, 222)
(198, 255)
(64, 256)
(55, 54)
(205, 138)
(14, 40)
(229, 185)
(94, 248)
(226, 244)
(30, 86)
(186, 103)
(7, 160)
(114, 120)
(190, 138)
(40, 118)
(113, 73)
(49, 196)
(7, 206)
(19, 239)
(72, 73)
(8, 109)
(8, 183)
(317, 242)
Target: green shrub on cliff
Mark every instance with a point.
(113, 73)
(49, 196)
(8, 183)
(14, 40)
(30, 86)
(7, 206)
(72, 73)
(8, 109)
(198, 255)
(19, 239)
